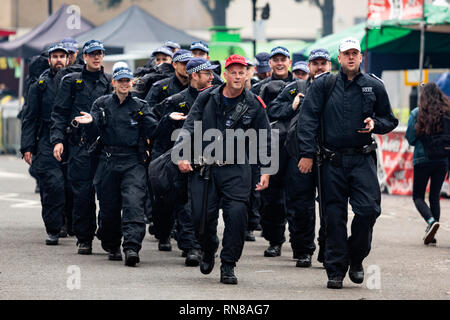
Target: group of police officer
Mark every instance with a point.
(86, 132)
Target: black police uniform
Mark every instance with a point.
(273, 199)
(300, 188)
(351, 173)
(164, 210)
(120, 179)
(77, 93)
(229, 184)
(163, 89)
(36, 139)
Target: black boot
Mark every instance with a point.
(193, 258)
(114, 254)
(304, 261)
(131, 258)
(335, 283)
(207, 263)
(52, 239)
(273, 251)
(227, 274)
(84, 247)
(356, 273)
(249, 236)
(164, 245)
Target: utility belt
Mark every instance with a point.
(334, 155)
(119, 151)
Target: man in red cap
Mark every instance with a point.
(226, 182)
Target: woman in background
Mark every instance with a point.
(427, 120)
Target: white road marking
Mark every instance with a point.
(20, 203)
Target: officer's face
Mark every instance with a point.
(235, 76)
(180, 69)
(299, 74)
(319, 66)
(280, 65)
(122, 86)
(350, 60)
(162, 58)
(58, 60)
(197, 53)
(204, 78)
(72, 57)
(94, 60)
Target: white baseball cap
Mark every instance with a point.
(349, 43)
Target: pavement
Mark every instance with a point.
(399, 266)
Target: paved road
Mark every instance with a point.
(400, 266)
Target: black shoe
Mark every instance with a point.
(249, 236)
(304, 261)
(335, 283)
(85, 248)
(115, 255)
(356, 273)
(164, 245)
(433, 242)
(207, 263)
(321, 255)
(227, 274)
(258, 227)
(131, 258)
(430, 232)
(52, 239)
(63, 232)
(193, 258)
(273, 251)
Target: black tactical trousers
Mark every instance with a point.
(300, 203)
(120, 183)
(228, 187)
(51, 184)
(273, 204)
(82, 166)
(186, 235)
(163, 218)
(355, 181)
(255, 200)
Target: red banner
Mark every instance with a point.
(395, 167)
(383, 10)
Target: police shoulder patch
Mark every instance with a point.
(261, 101)
(182, 104)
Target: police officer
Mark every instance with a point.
(229, 183)
(300, 70)
(162, 55)
(172, 45)
(263, 69)
(37, 149)
(273, 199)
(167, 87)
(72, 46)
(122, 123)
(176, 108)
(358, 106)
(200, 49)
(76, 94)
(300, 188)
(251, 79)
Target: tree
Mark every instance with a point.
(327, 9)
(215, 8)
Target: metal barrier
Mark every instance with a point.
(10, 127)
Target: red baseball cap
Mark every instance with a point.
(235, 58)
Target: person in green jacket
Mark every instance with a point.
(427, 120)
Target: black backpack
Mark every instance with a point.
(437, 146)
(292, 143)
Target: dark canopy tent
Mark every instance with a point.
(135, 26)
(54, 29)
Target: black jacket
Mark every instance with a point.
(36, 117)
(256, 88)
(210, 110)
(180, 102)
(349, 104)
(120, 124)
(77, 93)
(163, 89)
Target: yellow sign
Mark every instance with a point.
(415, 83)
